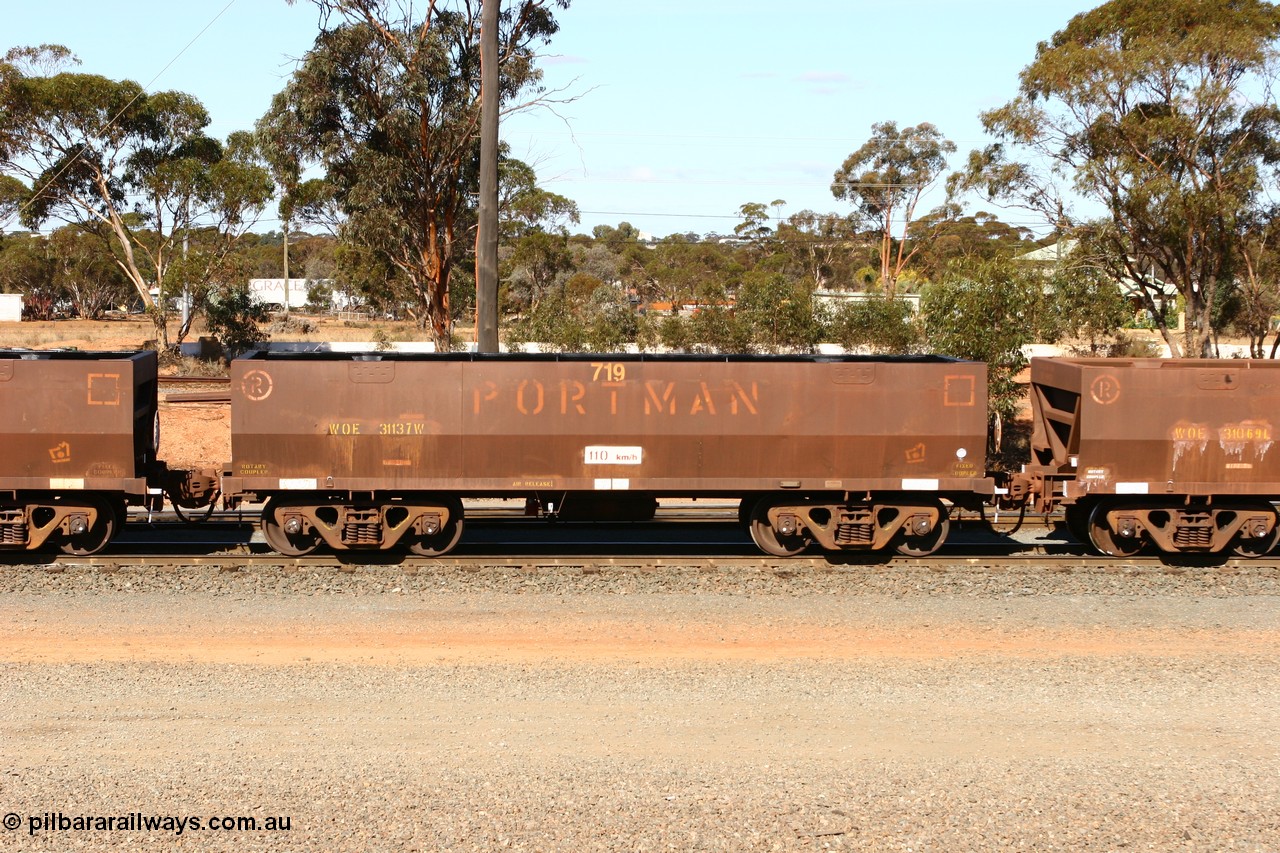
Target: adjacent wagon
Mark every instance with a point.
(1178, 453)
(79, 436)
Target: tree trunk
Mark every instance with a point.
(1198, 335)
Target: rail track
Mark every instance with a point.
(604, 556)
(217, 389)
(589, 565)
(691, 536)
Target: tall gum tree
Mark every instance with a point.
(130, 165)
(886, 179)
(387, 102)
(1162, 113)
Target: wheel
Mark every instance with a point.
(923, 546)
(281, 541)
(1254, 547)
(1077, 518)
(769, 540)
(443, 541)
(1106, 540)
(97, 536)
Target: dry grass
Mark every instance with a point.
(132, 333)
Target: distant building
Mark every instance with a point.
(836, 298)
(10, 307)
(1163, 293)
(1061, 252)
(282, 293)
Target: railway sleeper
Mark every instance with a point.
(1250, 529)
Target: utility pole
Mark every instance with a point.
(286, 269)
(487, 233)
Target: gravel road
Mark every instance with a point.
(867, 708)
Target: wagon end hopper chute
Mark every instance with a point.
(79, 433)
(1172, 452)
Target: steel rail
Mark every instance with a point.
(195, 380)
(240, 559)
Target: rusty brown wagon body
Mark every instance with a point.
(78, 431)
(79, 435)
(376, 450)
(1173, 452)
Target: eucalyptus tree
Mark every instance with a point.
(534, 224)
(677, 269)
(387, 101)
(12, 193)
(946, 236)
(987, 311)
(86, 271)
(88, 149)
(526, 207)
(886, 179)
(1161, 113)
(26, 267)
(1258, 298)
(755, 220)
(877, 324)
(777, 313)
(821, 245)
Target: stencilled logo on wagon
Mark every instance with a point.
(652, 397)
(959, 391)
(1094, 479)
(1189, 432)
(256, 385)
(1234, 439)
(59, 453)
(1105, 390)
(1245, 431)
(1189, 438)
(104, 389)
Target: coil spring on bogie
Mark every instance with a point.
(1193, 537)
(13, 527)
(854, 534)
(855, 527)
(362, 527)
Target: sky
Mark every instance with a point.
(668, 114)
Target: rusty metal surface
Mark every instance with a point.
(72, 421)
(662, 424)
(1157, 426)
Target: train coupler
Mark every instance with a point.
(192, 489)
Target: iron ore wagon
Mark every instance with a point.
(79, 434)
(375, 451)
(1177, 453)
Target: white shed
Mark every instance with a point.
(10, 307)
(293, 293)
